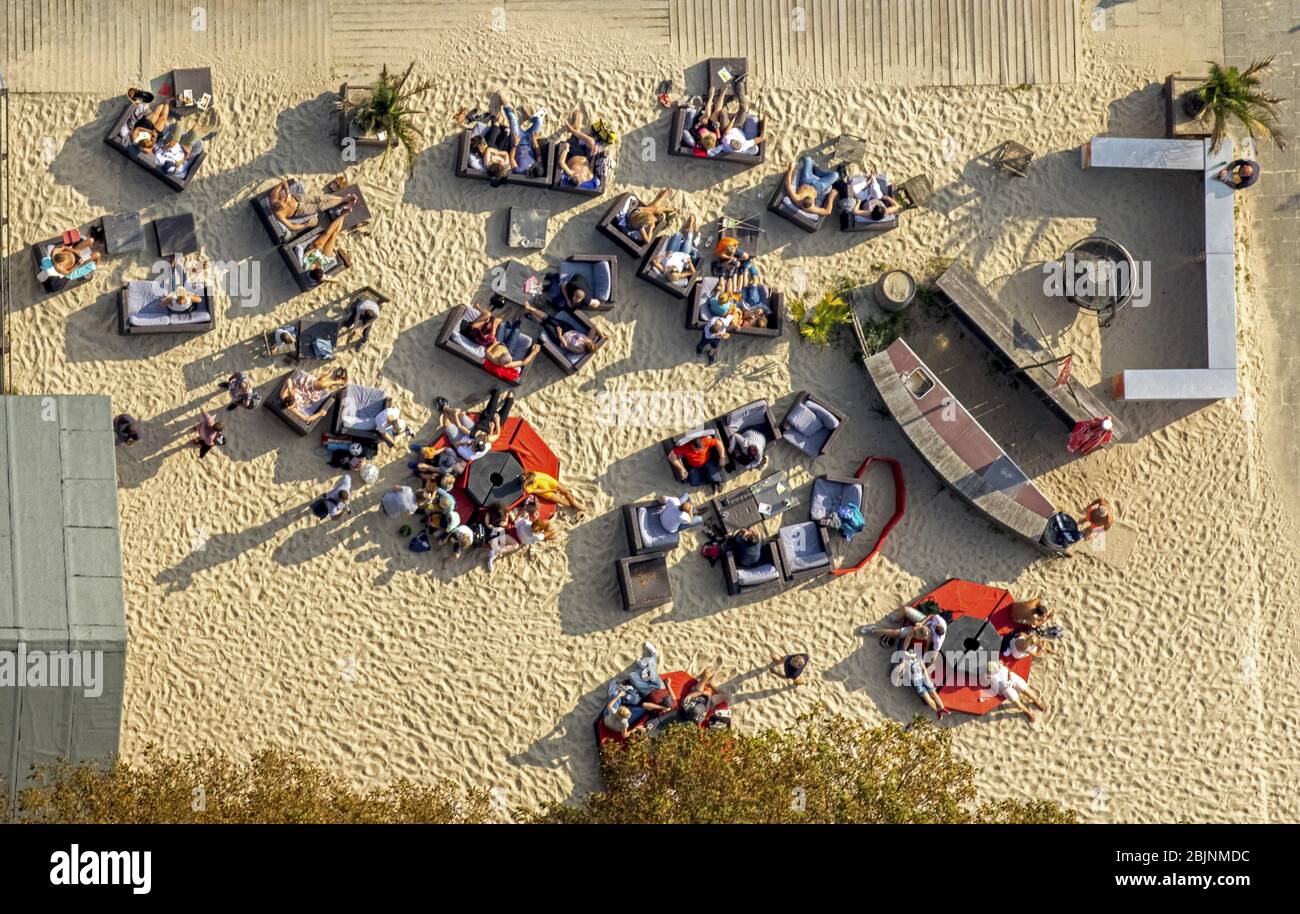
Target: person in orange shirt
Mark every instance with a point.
(1099, 516)
(699, 461)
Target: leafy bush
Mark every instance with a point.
(210, 788)
(388, 111)
(1230, 93)
(829, 769)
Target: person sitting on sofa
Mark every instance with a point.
(301, 395)
(699, 461)
(641, 222)
(498, 359)
(492, 150)
(525, 145)
(578, 156)
(679, 259)
(70, 262)
(869, 196)
(174, 157)
(148, 126)
(298, 212)
(747, 548)
(318, 256)
(678, 513)
(568, 339)
(572, 295)
(808, 185)
(748, 449)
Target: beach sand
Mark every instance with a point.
(253, 624)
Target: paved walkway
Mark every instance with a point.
(1253, 29)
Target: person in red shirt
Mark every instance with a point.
(699, 461)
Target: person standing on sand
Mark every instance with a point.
(791, 667)
(126, 429)
(209, 433)
(1099, 516)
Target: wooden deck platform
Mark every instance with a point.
(1020, 346)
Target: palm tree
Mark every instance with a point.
(388, 111)
(1232, 93)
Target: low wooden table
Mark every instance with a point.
(123, 233)
(176, 234)
(520, 284)
(771, 496)
(197, 80)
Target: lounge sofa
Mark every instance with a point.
(781, 204)
(682, 143)
(566, 361)
(805, 550)
(610, 225)
(469, 166)
(55, 284)
(829, 494)
(452, 340)
(648, 272)
(811, 424)
(359, 407)
(291, 252)
(273, 405)
(140, 310)
(771, 302)
(756, 415)
(601, 167)
(645, 534)
(850, 222)
(118, 139)
(743, 580)
(601, 273)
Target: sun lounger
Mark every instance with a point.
(452, 340)
(359, 407)
(781, 204)
(273, 405)
(277, 230)
(600, 167)
(648, 272)
(645, 534)
(856, 222)
(292, 252)
(756, 415)
(566, 361)
(773, 303)
(767, 572)
(469, 166)
(119, 140)
(829, 494)
(682, 143)
(805, 550)
(140, 310)
(811, 424)
(53, 283)
(601, 273)
(610, 223)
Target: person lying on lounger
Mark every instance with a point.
(679, 259)
(717, 131)
(567, 338)
(149, 127)
(699, 461)
(548, 488)
(318, 257)
(1032, 612)
(525, 150)
(183, 297)
(641, 222)
(577, 156)
(71, 262)
(500, 361)
(301, 394)
(297, 212)
(807, 184)
(868, 196)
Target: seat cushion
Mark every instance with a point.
(652, 530)
(803, 420)
(198, 316)
(828, 497)
(801, 546)
(828, 419)
(361, 406)
(759, 574)
(751, 415)
(144, 307)
(687, 139)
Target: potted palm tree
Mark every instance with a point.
(381, 116)
(1232, 94)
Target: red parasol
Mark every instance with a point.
(1087, 436)
(535, 455)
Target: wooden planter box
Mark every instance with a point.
(1177, 124)
(349, 97)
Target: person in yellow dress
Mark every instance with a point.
(548, 488)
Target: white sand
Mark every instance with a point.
(250, 623)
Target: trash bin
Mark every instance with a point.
(895, 290)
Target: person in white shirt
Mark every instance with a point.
(678, 513)
(681, 253)
(716, 329)
(360, 317)
(1003, 683)
(336, 499)
(389, 424)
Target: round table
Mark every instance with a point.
(495, 479)
(967, 648)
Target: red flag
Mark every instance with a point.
(1091, 434)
